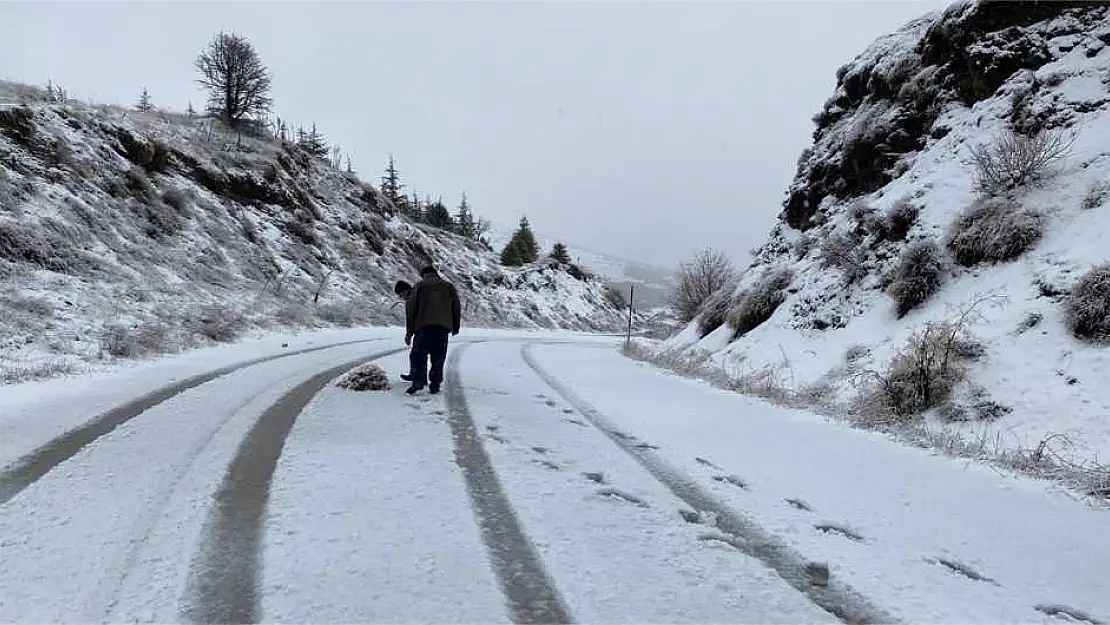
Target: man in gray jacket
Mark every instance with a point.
(431, 312)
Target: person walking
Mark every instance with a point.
(432, 313)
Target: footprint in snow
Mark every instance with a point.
(595, 477)
(704, 462)
(567, 411)
(961, 569)
(613, 493)
(621, 435)
(540, 450)
(497, 438)
(576, 422)
(799, 504)
(548, 464)
(645, 446)
(1057, 610)
(833, 528)
(731, 479)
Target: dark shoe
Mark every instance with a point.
(407, 377)
(434, 390)
(414, 388)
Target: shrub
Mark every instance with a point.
(615, 297)
(845, 252)
(1087, 306)
(994, 229)
(756, 305)
(697, 281)
(1097, 195)
(219, 324)
(924, 374)
(369, 377)
(715, 312)
(898, 220)
(917, 276)
(1016, 160)
(118, 341)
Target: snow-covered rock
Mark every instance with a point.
(898, 135)
(124, 233)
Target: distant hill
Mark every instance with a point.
(653, 284)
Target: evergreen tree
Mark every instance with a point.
(436, 214)
(416, 207)
(392, 187)
(145, 104)
(559, 254)
(192, 112)
(464, 220)
(529, 249)
(511, 256)
(312, 142)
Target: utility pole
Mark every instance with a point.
(631, 305)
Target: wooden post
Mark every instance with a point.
(631, 305)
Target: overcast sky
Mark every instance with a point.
(647, 130)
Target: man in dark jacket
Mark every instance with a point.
(431, 311)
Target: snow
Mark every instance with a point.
(592, 542)
(100, 243)
(369, 515)
(109, 533)
(909, 506)
(1049, 379)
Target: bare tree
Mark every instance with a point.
(238, 83)
(698, 280)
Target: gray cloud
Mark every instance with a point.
(642, 129)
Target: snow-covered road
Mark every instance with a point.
(554, 480)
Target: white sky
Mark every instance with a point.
(648, 130)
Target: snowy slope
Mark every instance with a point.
(899, 131)
(653, 284)
(125, 233)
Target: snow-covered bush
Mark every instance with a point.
(715, 312)
(698, 280)
(994, 229)
(1016, 160)
(1096, 196)
(756, 305)
(218, 323)
(845, 251)
(368, 377)
(1087, 306)
(917, 277)
(923, 374)
(898, 219)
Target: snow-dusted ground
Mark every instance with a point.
(379, 508)
(125, 233)
(1052, 382)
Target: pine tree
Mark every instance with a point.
(145, 104)
(312, 142)
(464, 219)
(511, 256)
(416, 207)
(436, 214)
(192, 112)
(529, 249)
(391, 183)
(559, 254)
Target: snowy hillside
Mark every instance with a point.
(931, 272)
(653, 284)
(126, 233)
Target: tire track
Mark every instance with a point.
(745, 535)
(528, 589)
(222, 586)
(27, 470)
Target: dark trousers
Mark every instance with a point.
(429, 342)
